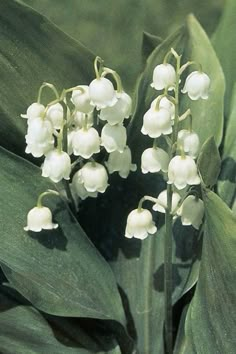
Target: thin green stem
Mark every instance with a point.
(51, 86)
(42, 195)
(98, 71)
(116, 77)
(146, 197)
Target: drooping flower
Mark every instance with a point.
(114, 137)
(164, 76)
(161, 203)
(117, 113)
(39, 218)
(56, 166)
(197, 85)
(55, 115)
(157, 122)
(34, 110)
(94, 177)
(121, 162)
(189, 142)
(165, 103)
(191, 211)
(78, 189)
(154, 159)
(102, 93)
(182, 171)
(139, 224)
(81, 99)
(86, 142)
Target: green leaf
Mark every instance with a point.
(59, 271)
(224, 43)
(209, 162)
(210, 322)
(32, 51)
(226, 186)
(149, 43)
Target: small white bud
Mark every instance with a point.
(39, 218)
(189, 142)
(81, 99)
(121, 162)
(197, 85)
(55, 115)
(102, 93)
(140, 224)
(34, 110)
(157, 122)
(114, 137)
(94, 177)
(161, 203)
(183, 171)
(56, 166)
(85, 142)
(164, 76)
(191, 211)
(154, 160)
(121, 109)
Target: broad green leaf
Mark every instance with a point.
(224, 43)
(227, 179)
(149, 43)
(33, 50)
(211, 317)
(209, 162)
(59, 271)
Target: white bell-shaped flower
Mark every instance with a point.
(121, 109)
(86, 142)
(165, 103)
(102, 93)
(197, 85)
(114, 137)
(78, 189)
(81, 99)
(121, 162)
(191, 211)
(34, 110)
(161, 203)
(189, 142)
(81, 119)
(140, 224)
(70, 134)
(39, 137)
(55, 115)
(157, 122)
(164, 76)
(182, 171)
(56, 166)
(94, 177)
(38, 219)
(154, 159)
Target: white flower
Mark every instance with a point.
(39, 137)
(81, 119)
(55, 115)
(113, 137)
(182, 171)
(197, 85)
(102, 93)
(164, 76)
(85, 142)
(78, 188)
(56, 166)
(161, 203)
(120, 110)
(154, 160)
(189, 142)
(165, 103)
(81, 99)
(157, 122)
(34, 110)
(121, 162)
(39, 218)
(94, 177)
(191, 211)
(70, 134)
(140, 224)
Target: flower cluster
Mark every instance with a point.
(177, 159)
(69, 135)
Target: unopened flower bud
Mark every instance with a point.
(102, 93)
(78, 189)
(81, 99)
(191, 211)
(189, 142)
(161, 203)
(56, 166)
(140, 224)
(39, 218)
(154, 160)
(55, 115)
(197, 85)
(121, 162)
(164, 76)
(114, 137)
